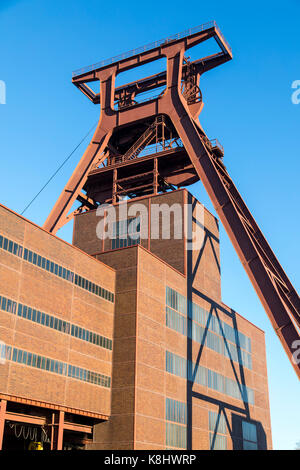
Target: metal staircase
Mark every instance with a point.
(143, 140)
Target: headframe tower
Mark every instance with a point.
(143, 147)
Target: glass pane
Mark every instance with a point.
(249, 431)
(247, 445)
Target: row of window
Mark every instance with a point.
(176, 433)
(124, 242)
(207, 319)
(203, 376)
(50, 321)
(175, 411)
(211, 340)
(48, 265)
(238, 355)
(126, 233)
(12, 247)
(218, 326)
(8, 305)
(126, 226)
(54, 268)
(51, 365)
(93, 288)
(176, 437)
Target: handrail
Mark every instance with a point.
(149, 150)
(216, 143)
(152, 45)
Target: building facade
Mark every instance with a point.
(121, 340)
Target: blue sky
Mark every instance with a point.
(248, 108)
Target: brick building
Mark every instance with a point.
(124, 342)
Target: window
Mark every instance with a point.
(126, 233)
(34, 357)
(176, 301)
(217, 431)
(217, 442)
(54, 268)
(175, 411)
(175, 321)
(10, 246)
(179, 366)
(36, 316)
(220, 336)
(249, 436)
(175, 435)
(8, 305)
(2, 353)
(54, 366)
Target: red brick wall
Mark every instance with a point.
(28, 284)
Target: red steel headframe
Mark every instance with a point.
(279, 299)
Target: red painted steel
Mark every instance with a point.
(3, 404)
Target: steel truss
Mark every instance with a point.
(181, 103)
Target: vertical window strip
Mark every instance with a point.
(175, 435)
(218, 431)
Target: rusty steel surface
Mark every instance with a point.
(154, 45)
(127, 117)
(120, 128)
(51, 406)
